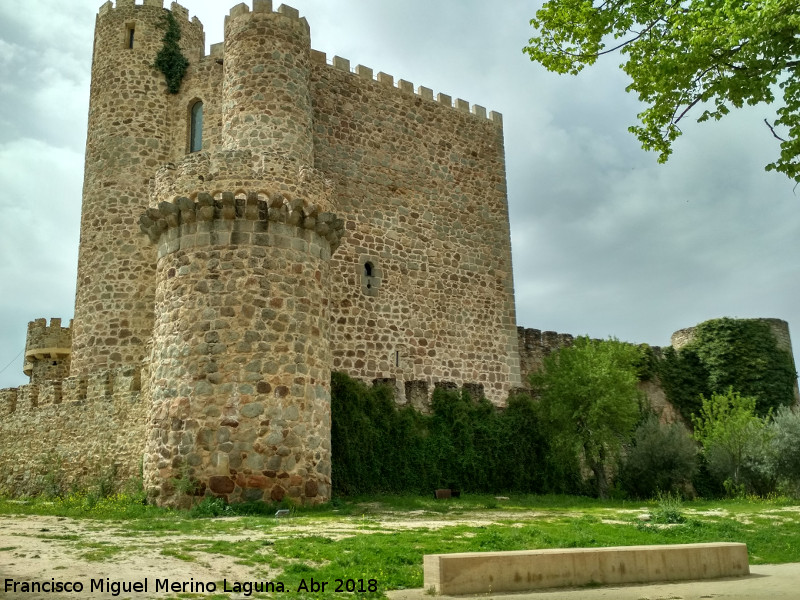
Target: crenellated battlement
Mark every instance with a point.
(47, 350)
(234, 218)
(264, 7)
(118, 385)
(179, 11)
(343, 64)
(41, 335)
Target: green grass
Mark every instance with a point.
(347, 540)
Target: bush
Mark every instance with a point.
(668, 510)
(735, 443)
(662, 458)
(784, 434)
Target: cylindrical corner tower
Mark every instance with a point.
(266, 103)
(240, 380)
(129, 135)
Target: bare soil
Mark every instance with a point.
(41, 549)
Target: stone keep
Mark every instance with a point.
(277, 218)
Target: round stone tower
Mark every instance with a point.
(240, 373)
(266, 104)
(240, 365)
(129, 137)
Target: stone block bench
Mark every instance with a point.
(482, 572)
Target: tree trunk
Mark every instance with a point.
(599, 470)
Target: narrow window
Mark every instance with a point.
(196, 128)
(370, 275)
(130, 36)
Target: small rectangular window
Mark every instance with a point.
(196, 127)
(130, 36)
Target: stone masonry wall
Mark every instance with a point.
(73, 431)
(422, 288)
(129, 136)
(534, 345)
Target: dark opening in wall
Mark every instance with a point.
(130, 34)
(371, 275)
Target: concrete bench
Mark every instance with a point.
(482, 572)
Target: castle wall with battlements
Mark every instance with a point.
(72, 431)
(328, 218)
(425, 206)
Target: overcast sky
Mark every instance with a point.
(606, 241)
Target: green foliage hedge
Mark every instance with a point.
(463, 444)
(738, 353)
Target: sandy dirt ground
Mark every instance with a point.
(44, 549)
(25, 555)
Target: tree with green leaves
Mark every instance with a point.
(785, 448)
(591, 400)
(661, 459)
(685, 54)
(735, 441)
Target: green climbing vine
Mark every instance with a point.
(738, 353)
(170, 60)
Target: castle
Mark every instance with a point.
(277, 218)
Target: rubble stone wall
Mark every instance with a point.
(422, 287)
(72, 431)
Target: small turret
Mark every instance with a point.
(47, 350)
(266, 101)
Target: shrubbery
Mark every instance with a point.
(784, 449)
(661, 459)
(464, 444)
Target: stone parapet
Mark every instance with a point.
(224, 170)
(534, 345)
(180, 12)
(120, 384)
(231, 220)
(241, 12)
